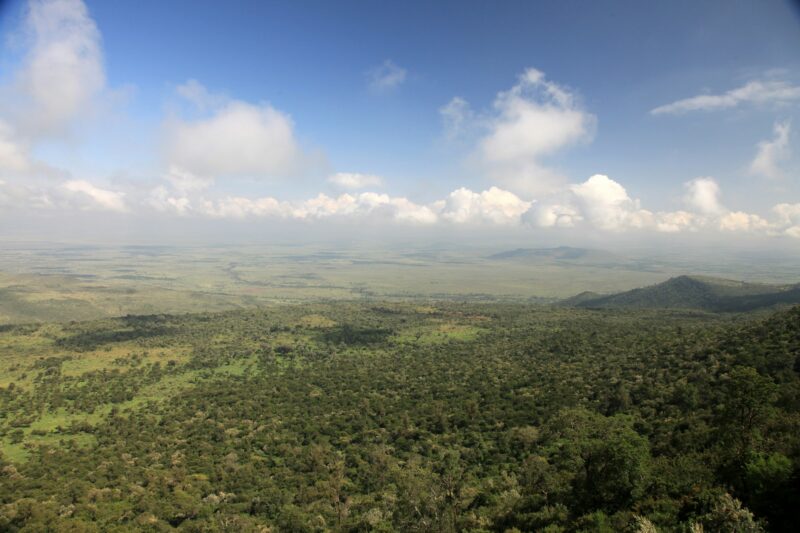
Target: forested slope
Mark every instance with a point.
(392, 417)
(694, 292)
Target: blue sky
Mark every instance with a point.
(249, 110)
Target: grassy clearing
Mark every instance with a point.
(438, 334)
(20, 452)
(114, 356)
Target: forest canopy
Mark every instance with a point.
(399, 417)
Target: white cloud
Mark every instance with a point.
(533, 119)
(702, 196)
(597, 204)
(753, 92)
(196, 93)
(740, 221)
(14, 158)
(366, 204)
(99, 198)
(456, 115)
(58, 84)
(63, 70)
(239, 139)
(185, 182)
(16, 196)
(606, 204)
(676, 221)
(387, 75)
(495, 206)
(400, 209)
(161, 199)
(543, 215)
(601, 203)
(788, 214)
(354, 181)
(771, 153)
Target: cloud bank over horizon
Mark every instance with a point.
(212, 144)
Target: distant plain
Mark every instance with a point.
(40, 282)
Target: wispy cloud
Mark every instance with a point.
(388, 75)
(195, 92)
(354, 180)
(753, 92)
(770, 153)
(98, 198)
(456, 116)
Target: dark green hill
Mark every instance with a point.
(695, 292)
(578, 299)
(560, 253)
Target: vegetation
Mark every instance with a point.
(57, 283)
(694, 292)
(399, 417)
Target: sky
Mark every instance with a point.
(525, 121)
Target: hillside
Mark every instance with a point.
(401, 417)
(694, 292)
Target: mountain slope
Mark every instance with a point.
(695, 292)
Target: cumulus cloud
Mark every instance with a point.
(603, 204)
(366, 204)
(63, 70)
(532, 120)
(606, 204)
(98, 198)
(788, 218)
(770, 153)
(354, 181)
(58, 84)
(386, 76)
(495, 206)
(597, 204)
(740, 221)
(788, 214)
(702, 196)
(676, 221)
(550, 215)
(239, 139)
(753, 92)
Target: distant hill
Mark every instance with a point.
(578, 299)
(563, 253)
(694, 292)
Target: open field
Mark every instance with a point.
(51, 283)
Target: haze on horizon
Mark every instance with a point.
(550, 123)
